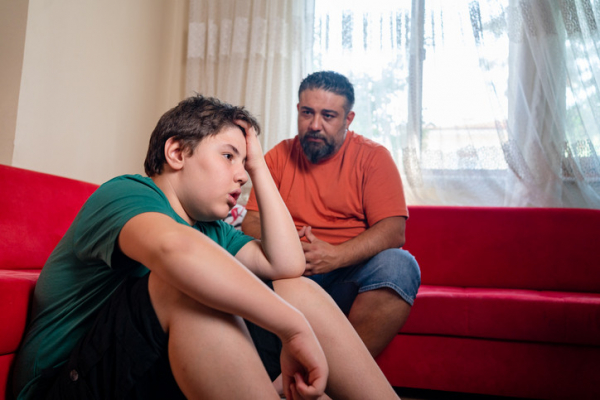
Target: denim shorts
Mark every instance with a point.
(396, 269)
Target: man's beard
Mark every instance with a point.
(316, 151)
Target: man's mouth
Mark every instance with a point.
(314, 137)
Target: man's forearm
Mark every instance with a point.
(386, 234)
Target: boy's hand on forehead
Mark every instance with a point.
(254, 153)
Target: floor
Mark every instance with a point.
(420, 394)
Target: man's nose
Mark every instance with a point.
(315, 123)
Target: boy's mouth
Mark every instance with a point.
(233, 197)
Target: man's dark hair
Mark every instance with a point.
(332, 82)
(189, 122)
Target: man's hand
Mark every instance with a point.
(304, 368)
(321, 257)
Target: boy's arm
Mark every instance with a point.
(279, 253)
(195, 265)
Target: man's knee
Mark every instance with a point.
(396, 269)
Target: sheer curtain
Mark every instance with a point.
(489, 102)
(251, 53)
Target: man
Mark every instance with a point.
(142, 298)
(345, 195)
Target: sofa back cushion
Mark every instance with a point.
(36, 210)
(500, 247)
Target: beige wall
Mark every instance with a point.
(95, 78)
(13, 20)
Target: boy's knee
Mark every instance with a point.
(169, 302)
(297, 290)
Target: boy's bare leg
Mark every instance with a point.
(353, 373)
(206, 347)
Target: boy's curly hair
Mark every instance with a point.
(189, 122)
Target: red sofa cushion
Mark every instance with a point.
(34, 202)
(507, 314)
(5, 365)
(499, 367)
(16, 288)
(510, 248)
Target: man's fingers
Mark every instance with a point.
(301, 232)
(309, 235)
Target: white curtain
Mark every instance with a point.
(489, 102)
(251, 53)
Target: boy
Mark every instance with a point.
(142, 298)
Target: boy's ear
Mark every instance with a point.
(174, 154)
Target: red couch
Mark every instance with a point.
(509, 305)
(35, 211)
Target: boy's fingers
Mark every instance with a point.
(242, 123)
(305, 390)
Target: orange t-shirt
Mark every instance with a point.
(342, 196)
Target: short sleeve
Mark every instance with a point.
(383, 190)
(226, 236)
(101, 219)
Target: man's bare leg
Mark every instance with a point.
(206, 347)
(377, 316)
(353, 373)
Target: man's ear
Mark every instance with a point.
(349, 118)
(174, 154)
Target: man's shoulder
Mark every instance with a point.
(362, 141)
(367, 148)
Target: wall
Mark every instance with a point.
(13, 20)
(95, 78)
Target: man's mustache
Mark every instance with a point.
(315, 135)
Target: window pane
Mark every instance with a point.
(465, 75)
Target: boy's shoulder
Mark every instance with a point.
(126, 187)
(125, 196)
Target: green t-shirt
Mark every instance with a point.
(87, 266)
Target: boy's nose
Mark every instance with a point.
(241, 176)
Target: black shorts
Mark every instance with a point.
(124, 355)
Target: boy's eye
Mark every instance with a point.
(228, 156)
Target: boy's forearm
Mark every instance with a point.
(278, 233)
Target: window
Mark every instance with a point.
(490, 102)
